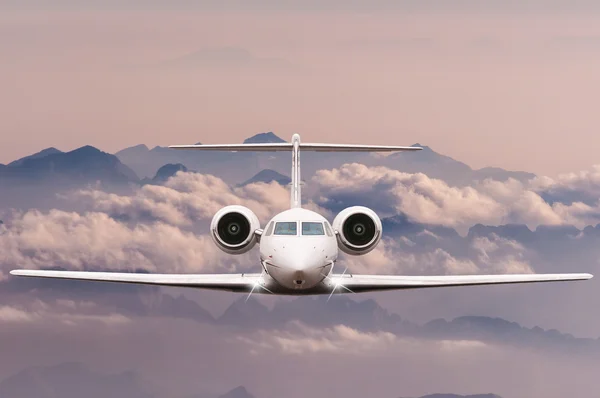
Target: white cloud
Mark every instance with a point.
(96, 241)
(300, 339)
(500, 255)
(186, 198)
(493, 255)
(15, 315)
(44, 314)
(581, 181)
(432, 201)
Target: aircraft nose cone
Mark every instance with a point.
(299, 278)
(301, 262)
(298, 266)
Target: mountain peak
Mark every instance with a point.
(86, 163)
(238, 392)
(40, 154)
(267, 176)
(264, 138)
(169, 170)
(461, 396)
(425, 147)
(86, 149)
(137, 150)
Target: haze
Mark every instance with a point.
(484, 83)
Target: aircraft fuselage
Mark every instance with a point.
(298, 249)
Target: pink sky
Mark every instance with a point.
(516, 90)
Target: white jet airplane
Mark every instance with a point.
(298, 247)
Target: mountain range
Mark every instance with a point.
(32, 180)
(85, 164)
(241, 166)
(89, 163)
(318, 312)
(75, 380)
(29, 181)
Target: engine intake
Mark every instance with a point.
(233, 227)
(358, 230)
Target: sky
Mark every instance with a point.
(487, 83)
(490, 83)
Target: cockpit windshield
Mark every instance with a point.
(312, 228)
(286, 228)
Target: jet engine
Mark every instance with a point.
(358, 230)
(232, 229)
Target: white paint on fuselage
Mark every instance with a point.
(292, 258)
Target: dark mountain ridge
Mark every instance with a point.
(241, 166)
(86, 163)
(267, 176)
(76, 380)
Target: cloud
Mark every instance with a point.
(96, 241)
(582, 186)
(186, 199)
(151, 229)
(40, 313)
(300, 339)
(10, 314)
(500, 255)
(432, 201)
(484, 255)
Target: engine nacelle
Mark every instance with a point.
(358, 230)
(233, 227)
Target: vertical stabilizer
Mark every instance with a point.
(295, 185)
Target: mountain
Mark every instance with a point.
(133, 151)
(264, 138)
(498, 174)
(41, 154)
(237, 168)
(168, 171)
(518, 232)
(232, 167)
(461, 396)
(400, 225)
(85, 164)
(268, 176)
(443, 167)
(34, 181)
(239, 392)
(71, 380)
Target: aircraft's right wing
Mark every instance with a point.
(228, 282)
(366, 283)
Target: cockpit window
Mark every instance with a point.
(285, 228)
(270, 229)
(312, 228)
(328, 229)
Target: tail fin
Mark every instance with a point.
(296, 194)
(295, 146)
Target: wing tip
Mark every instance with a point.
(21, 272)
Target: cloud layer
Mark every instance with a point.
(431, 201)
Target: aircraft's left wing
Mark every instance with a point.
(366, 283)
(228, 282)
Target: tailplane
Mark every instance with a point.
(295, 146)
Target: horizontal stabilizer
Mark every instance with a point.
(355, 148)
(285, 146)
